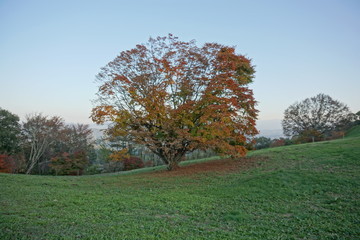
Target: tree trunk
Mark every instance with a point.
(171, 157)
(173, 165)
(32, 165)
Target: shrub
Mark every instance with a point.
(277, 143)
(6, 164)
(69, 164)
(132, 163)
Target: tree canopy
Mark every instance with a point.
(175, 97)
(315, 116)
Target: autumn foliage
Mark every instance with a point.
(6, 163)
(175, 97)
(132, 162)
(69, 164)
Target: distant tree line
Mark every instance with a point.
(47, 145)
(43, 145)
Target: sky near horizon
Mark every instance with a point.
(50, 51)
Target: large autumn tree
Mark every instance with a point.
(175, 97)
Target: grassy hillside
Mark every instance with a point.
(308, 191)
(354, 132)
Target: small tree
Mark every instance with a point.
(318, 115)
(78, 138)
(174, 97)
(71, 139)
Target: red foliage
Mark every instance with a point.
(277, 143)
(132, 163)
(7, 164)
(67, 164)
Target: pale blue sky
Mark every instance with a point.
(50, 51)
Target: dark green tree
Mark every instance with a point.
(9, 132)
(357, 118)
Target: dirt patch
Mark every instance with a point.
(221, 166)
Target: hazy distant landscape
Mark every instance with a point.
(270, 128)
(267, 128)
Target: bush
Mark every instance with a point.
(132, 163)
(69, 164)
(277, 143)
(6, 164)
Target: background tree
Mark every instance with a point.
(71, 139)
(175, 97)
(9, 132)
(319, 115)
(75, 142)
(357, 118)
(40, 132)
(69, 164)
(48, 137)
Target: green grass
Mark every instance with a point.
(353, 132)
(308, 191)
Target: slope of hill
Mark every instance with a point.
(308, 191)
(354, 132)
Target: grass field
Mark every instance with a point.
(308, 191)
